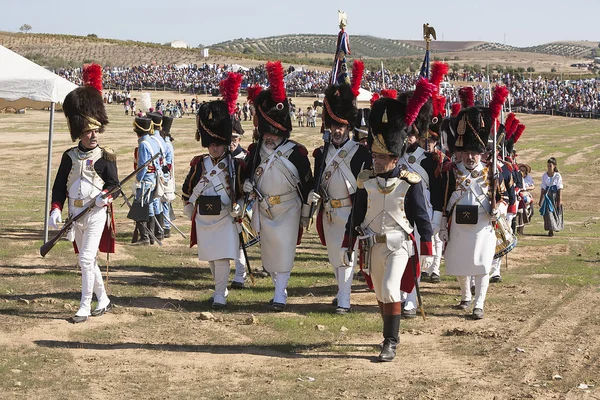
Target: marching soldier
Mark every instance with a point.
(470, 212)
(165, 133)
(389, 204)
(142, 210)
(344, 160)
(211, 192)
(86, 173)
(156, 221)
(278, 174)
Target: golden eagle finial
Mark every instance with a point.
(428, 32)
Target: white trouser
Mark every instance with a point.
(88, 232)
(438, 248)
(220, 272)
(280, 281)
(387, 268)
(240, 268)
(481, 285)
(495, 271)
(344, 276)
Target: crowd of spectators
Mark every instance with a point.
(533, 94)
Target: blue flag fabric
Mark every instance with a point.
(339, 73)
(425, 66)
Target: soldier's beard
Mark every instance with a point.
(270, 144)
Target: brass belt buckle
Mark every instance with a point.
(78, 203)
(273, 200)
(336, 203)
(380, 238)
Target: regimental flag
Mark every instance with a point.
(425, 66)
(339, 73)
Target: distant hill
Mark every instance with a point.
(67, 50)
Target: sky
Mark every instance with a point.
(518, 23)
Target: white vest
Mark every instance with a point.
(385, 212)
(83, 182)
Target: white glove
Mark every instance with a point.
(103, 202)
(248, 186)
(495, 215)
(188, 210)
(437, 221)
(435, 228)
(55, 218)
(510, 217)
(426, 262)
(236, 211)
(346, 259)
(444, 237)
(313, 197)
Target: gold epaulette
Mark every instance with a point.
(362, 177)
(410, 177)
(109, 154)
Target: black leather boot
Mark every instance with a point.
(391, 327)
(142, 229)
(151, 228)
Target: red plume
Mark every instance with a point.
(519, 132)
(253, 92)
(358, 67)
(510, 131)
(455, 109)
(508, 122)
(423, 91)
(439, 104)
(498, 99)
(438, 70)
(275, 75)
(374, 98)
(466, 96)
(389, 93)
(230, 90)
(92, 76)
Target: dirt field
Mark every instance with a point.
(539, 338)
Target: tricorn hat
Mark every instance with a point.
(142, 126)
(339, 104)
(84, 106)
(272, 107)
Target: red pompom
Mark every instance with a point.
(92, 76)
(519, 132)
(230, 90)
(276, 84)
(423, 91)
(374, 98)
(253, 92)
(455, 109)
(438, 70)
(357, 73)
(389, 93)
(439, 103)
(467, 98)
(498, 99)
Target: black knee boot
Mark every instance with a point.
(142, 231)
(391, 329)
(151, 228)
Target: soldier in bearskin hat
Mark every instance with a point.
(469, 209)
(212, 189)
(389, 205)
(344, 159)
(86, 172)
(278, 174)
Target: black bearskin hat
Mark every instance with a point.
(472, 127)
(167, 122)
(361, 127)
(213, 123)
(446, 127)
(273, 117)
(423, 120)
(387, 129)
(142, 126)
(339, 106)
(156, 118)
(84, 109)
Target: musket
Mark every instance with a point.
(326, 142)
(238, 222)
(417, 288)
(173, 225)
(254, 160)
(46, 247)
(352, 228)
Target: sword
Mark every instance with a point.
(174, 226)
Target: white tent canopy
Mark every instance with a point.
(23, 83)
(364, 95)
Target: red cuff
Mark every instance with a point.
(345, 241)
(426, 248)
(56, 204)
(512, 209)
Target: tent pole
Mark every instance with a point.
(48, 170)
